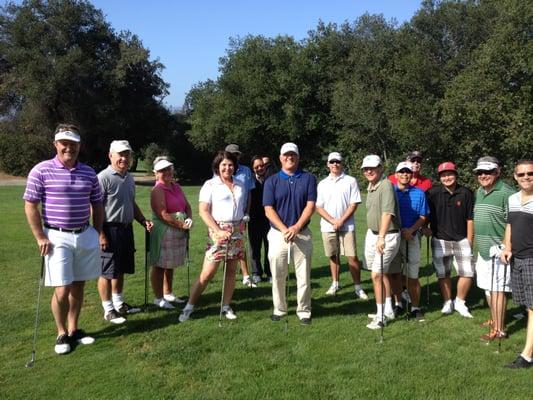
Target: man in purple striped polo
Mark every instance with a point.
(67, 190)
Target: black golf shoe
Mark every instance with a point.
(275, 317)
(520, 362)
(305, 321)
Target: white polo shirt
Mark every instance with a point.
(226, 205)
(335, 195)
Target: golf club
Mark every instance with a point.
(407, 279)
(223, 283)
(187, 236)
(503, 310)
(382, 300)
(287, 287)
(491, 305)
(31, 363)
(427, 276)
(146, 251)
(338, 266)
(247, 251)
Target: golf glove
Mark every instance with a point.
(496, 250)
(246, 218)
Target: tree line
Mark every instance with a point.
(453, 82)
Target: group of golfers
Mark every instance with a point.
(273, 210)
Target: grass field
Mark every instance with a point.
(152, 356)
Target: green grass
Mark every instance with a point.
(152, 356)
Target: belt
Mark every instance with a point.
(117, 224)
(56, 228)
(393, 231)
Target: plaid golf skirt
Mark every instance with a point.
(217, 248)
(173, 249)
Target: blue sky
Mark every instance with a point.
(190, 36)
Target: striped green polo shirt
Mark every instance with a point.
(490, 216)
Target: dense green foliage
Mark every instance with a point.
(453, 82)
(61, 61)
(153, 356)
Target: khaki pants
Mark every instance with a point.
(301, 251)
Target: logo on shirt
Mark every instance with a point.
(458, 203)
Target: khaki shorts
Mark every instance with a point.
(373, 260)
(346, 243)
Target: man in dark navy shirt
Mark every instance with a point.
(289, 199)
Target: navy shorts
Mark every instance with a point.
(119, 257)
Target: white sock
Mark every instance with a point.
(358, 287)
(448, 302)
(108, 306)
(189, 306)
(459, 301)
(335, 283)
(398, 303)
(379, 307)
(528, 359)
(117, 299)
(388, 305)
(414, 308)
(245, 277)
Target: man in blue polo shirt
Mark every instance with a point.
(414, 212)
(289, 198)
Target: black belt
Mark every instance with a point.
(117, 225)
(56, 228)
(393, 231)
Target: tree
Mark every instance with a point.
(61, 61)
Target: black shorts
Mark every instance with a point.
(119, 257)
(522, 281)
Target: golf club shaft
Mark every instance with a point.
(407, 278)
(38, 307)
(146, 251)
(382, 298)
(491, 305)
(187, 233)
(427, 276)
(287, 286)
(338, 266)
(223, 283)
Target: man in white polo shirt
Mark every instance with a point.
(337, 199)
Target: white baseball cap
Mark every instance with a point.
(289, 148)
(162, 164)
(404, 165)
(67, 135)
(118, 146)
(371, 161)
(334, 156)
(487, 163)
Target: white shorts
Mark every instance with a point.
(501, 277)
(444, 251)
(74, 257)
(413, 257)
(373, 260)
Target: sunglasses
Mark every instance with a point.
(369, 169)
(416, 160)
(334, 162)
(522, 174)
(480, 172)
(405, 171)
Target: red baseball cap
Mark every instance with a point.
(447, 166)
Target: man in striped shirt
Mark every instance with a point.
(490, 214)
(68, 191)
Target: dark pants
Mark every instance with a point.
(257, 234)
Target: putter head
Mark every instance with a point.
(31, 363)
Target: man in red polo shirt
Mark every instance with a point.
(418, 181)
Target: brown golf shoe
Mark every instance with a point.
(493, 335)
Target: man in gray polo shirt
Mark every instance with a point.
(116, 238)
